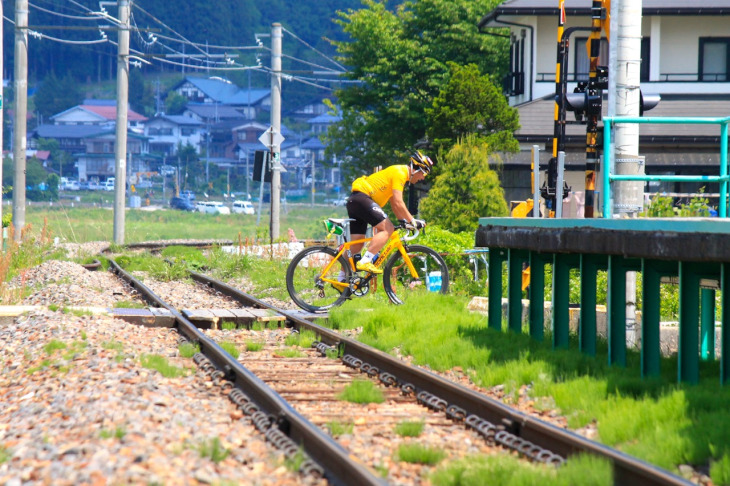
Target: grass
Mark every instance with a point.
(5, 454)
(632, 414)
(509, 470)
(188, 350)
(117, 433)
(290, 353)
(420, 454)
(228, 326)
(362, 391)
(113, 345)
(128, 304)
(254, 346)
(96, 224)
(294, 463)
(409, 429)
(340, 428)
(54, 345)
(212, 449)
(302, 339)
(230, 348)
(160, 364)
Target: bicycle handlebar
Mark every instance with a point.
(412, 232)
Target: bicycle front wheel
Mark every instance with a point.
(431, 274)
(315, 282)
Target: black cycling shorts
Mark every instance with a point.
(364, 211)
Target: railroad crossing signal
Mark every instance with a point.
(271, 138)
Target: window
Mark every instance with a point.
(714, 58)
(583, 62)
(582, 67)
(514, 82)
(187, 131)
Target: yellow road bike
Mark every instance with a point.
(321, 277)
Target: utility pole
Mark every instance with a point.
(21, 112)
(120, 150)
(2, 158)
(629, 195)
(276, 35)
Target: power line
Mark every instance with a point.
(315, 50)
(66, 16)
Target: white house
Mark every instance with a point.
(99, 113)
(168, 132)
(685, 51)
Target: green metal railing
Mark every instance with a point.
(692, 253)
(608, 176)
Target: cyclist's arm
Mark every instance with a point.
(399, 207)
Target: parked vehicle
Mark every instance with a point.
(182, 204)
(69, 184)
(212, 207)
(243, 207)
(188, 195)
(109, 184)
(340, 201)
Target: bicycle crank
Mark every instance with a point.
(359, 286)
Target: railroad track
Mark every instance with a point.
(278, 409)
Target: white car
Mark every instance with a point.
(243, 207)
(212, 207)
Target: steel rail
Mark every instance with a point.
(627, 470)
(338, 465)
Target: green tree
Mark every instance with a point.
(62, 160)
(471, 103)
(56, 95)
(400, 62)
(175, 103)
(466, 189)
(141, 95)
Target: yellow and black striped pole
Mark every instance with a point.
(551, 192)
(595, 95)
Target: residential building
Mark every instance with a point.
(210, 91)
(685, 52)
(169, 132)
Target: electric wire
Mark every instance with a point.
(66, 16)
(314, 49)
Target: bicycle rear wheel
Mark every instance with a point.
(309, 287)
(432, 274)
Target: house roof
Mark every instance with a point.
(537, 118)
(104, 111)
(313, 143)
(178, 120)
(212, 110)
(68, 131)
(583, 7)
(325, 118)
(224, 91)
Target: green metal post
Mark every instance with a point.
(497, 257)
(561, 301)
(722, 206)
(650, 333)
(689, 304)
(515, 260)
(725, 332)
(587, 330)
(616, 311)
(707, 324)
(607, 167)
(537, 296)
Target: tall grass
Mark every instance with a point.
(632, 414)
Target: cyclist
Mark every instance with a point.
(371, 193)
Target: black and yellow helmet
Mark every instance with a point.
(421, 162)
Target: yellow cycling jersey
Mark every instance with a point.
(380, 186)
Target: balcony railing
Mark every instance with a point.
(663, 77)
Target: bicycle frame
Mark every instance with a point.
(395, 242)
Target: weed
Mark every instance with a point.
(228, 326)
(340, 428)
(160, 364)
(290, 353)
(719, 470)
(409, 429)
(128, 304)
(44, 365)
(254, 346)
(78, 312)
(303, 339)
(53, 307)
(112, 345)
(54, 345)
(188, 350)
(294, 463)
(84, 336)
(212, 449)
(76, 348)
(230, 348)
(362, 391)
(5, 454)
(117, 433)
(420, 454)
